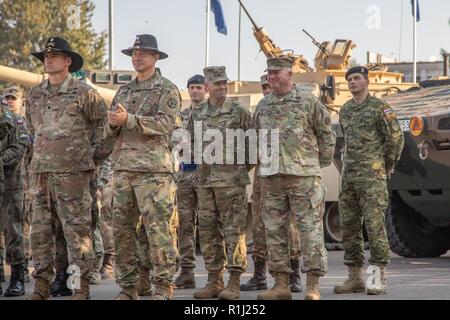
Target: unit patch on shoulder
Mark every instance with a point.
(172, 103)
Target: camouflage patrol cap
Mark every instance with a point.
(359, 69)
(13, 92)
(215, 74)
(278, 63)
(264, 80)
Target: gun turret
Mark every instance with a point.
(317, 44)
(271, 50)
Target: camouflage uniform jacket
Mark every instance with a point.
(306, 140)
(373, 139)
(230, 115)
(14, 143)
(66, 127)
(143, 144)
(186, 176)
(104, 173)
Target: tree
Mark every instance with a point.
(25, 25)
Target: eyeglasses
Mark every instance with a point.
(11, 98)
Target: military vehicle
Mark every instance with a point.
(418, 219)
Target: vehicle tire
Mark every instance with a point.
(332, 224)
(411, 235)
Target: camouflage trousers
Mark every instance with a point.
(11, 216)
(27, 222)
(143, 244)
(61, 253)
(151, 196)
(304, 196)
(222, 213)
(2, 249)
(366, 202)
(106, 219)
(187, 211)
(259, 233)
(26, 235)
(64, 199)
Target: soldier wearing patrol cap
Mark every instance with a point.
(373, 144)
(65, 117)
(221, 191)
(144, 114)
(292, 183)
(187, 196)
(259, 255)
(14, 143)
(265, 86)
(14, 96)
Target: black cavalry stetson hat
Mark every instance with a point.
(57, 44)
(145, 42)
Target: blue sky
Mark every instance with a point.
(179, 26)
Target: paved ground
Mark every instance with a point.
(408, 279)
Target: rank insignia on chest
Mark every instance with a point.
(172, 103)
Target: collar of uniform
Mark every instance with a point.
(357, 106)
(62, 89)
(148, 84)
(275, 98)
(224, 108)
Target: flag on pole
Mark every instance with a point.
(216, 8)
(418, 10)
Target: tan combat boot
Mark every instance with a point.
(41, 290)
(83, 292)
(280, 290)
(383, 284)
(186, 279)
(232, 292)
(107, 269)
(354, 283)
(128, 293)
(213, 287)
(163, 291)
(312, 286)
(144, 286)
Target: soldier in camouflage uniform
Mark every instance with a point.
(104, 195)
(14, 143)
(292, 181)
(259, 255)
(373, 144)
(64, 116)
(221, 192)
(14, 96)
(186, 195)
(144, 114)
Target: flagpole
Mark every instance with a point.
(111, 35)
(415, 43)
(208, 9)
(239, 46)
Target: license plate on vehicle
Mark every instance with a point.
(404, 125)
